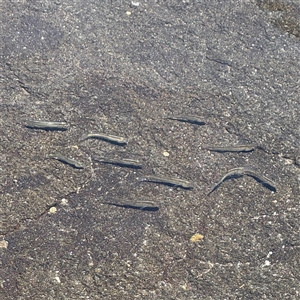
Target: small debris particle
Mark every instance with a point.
(52, 210)
(196, 237)
(3, 244)
(64, 201)
(128, 13)
(266, 264)
(57, 279)
(166, 153)
(135, 3)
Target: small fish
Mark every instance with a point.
(141, 205)
(268, 183)
(62, 126)
(241, 171)
(233, 173)
(127, 163)
(188, 119)
(105, 137)
(235, 148)
(176, 182)
(72, 162)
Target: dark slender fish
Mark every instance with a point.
(233, 173)
(268, 183)
(188, 119)
(176, 182)
(72, 162)
(140, 205)
(127, 163)
(105, 137)
(234, 148)
(45, 125)
(239, 172)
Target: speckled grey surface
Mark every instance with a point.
(121, 69)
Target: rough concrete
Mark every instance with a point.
(118, 68)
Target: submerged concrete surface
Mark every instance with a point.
(121, 69)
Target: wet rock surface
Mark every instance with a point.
(122, 69)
